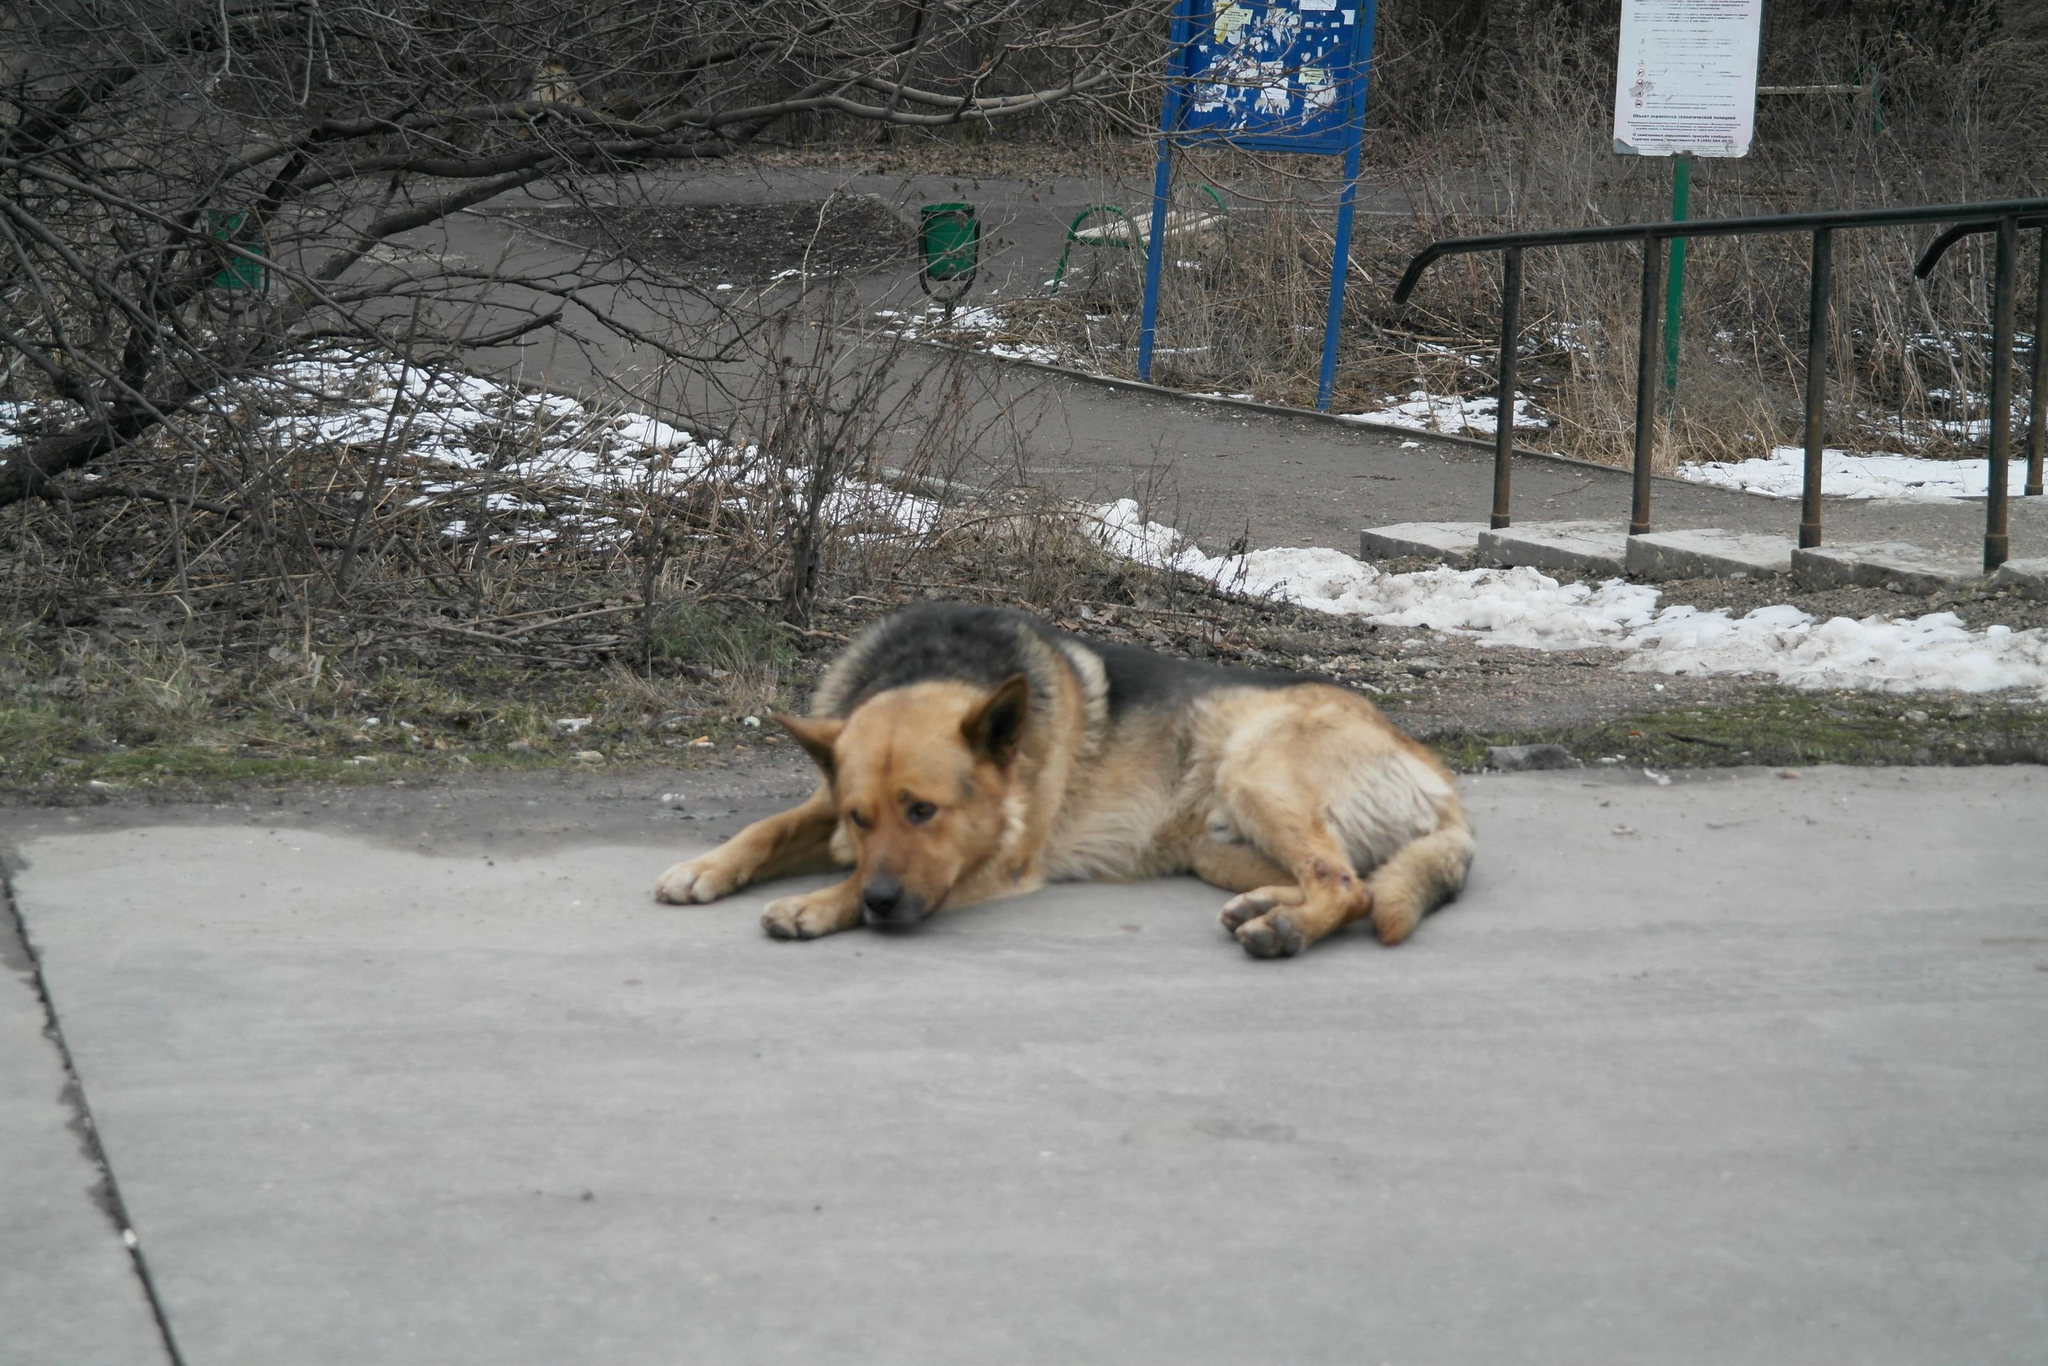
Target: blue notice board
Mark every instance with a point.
(1271, 75)
(1285, 76)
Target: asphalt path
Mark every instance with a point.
(1221, 473)
(1741, 1068)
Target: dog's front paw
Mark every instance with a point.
(695, 882)
(1273, 935)
(801, 917)
(1255, 903)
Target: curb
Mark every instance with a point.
(1282, 410)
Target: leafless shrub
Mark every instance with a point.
(366, 509)
(190, 191)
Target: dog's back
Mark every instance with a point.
(980, 645)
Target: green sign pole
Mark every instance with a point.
(1674, 280)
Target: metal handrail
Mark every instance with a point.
(2005, 217)
(2037, 424)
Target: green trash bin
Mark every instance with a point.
(950, 236)
(239, 272)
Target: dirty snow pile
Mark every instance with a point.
(1423, 411)
(463, 440)
(1522, 607)
(1782, 475)
(981, 323)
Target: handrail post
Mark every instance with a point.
(2037, 419)
(1504, 409)
(1646, 384)
(1818, 306)
(2006, 217)
(2002, 290)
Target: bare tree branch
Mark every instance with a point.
(190, 191)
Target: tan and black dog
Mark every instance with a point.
(975, 752)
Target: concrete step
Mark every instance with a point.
(1708, 553)
(1452, 542)
(1882, 564)
(1577, 547)
(1590, 547)
(2028, 578)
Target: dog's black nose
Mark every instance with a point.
(881, 897)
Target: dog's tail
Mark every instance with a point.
(1422, 875)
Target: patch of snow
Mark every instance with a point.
(639, 429)
(1932, 653)
(1425, 412)
(1522, 607)
(1031, 351)
(975, 319)
(1782, 473)
(485, 435)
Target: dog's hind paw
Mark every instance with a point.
(694, 883)
(1273, 935)
(1393, 920)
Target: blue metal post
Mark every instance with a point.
(1339, 268)
(1162, 180)
(1155, 250)
(1340, 265)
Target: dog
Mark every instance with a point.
(973, 752)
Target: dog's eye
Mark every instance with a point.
(860, 822)
(917, 813)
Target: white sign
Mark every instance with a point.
(1686, 81)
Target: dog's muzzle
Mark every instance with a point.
(885, 903)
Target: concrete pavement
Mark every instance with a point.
(1740, 1068)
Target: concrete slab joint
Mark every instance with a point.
(70, 1287)
(1577, 547)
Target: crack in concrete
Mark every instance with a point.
(19, 956)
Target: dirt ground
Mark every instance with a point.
(735, 243)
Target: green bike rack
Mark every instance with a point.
(1118, 229)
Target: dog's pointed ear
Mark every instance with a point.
(997, 725)
(817, 734)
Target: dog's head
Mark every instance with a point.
(922, 776)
